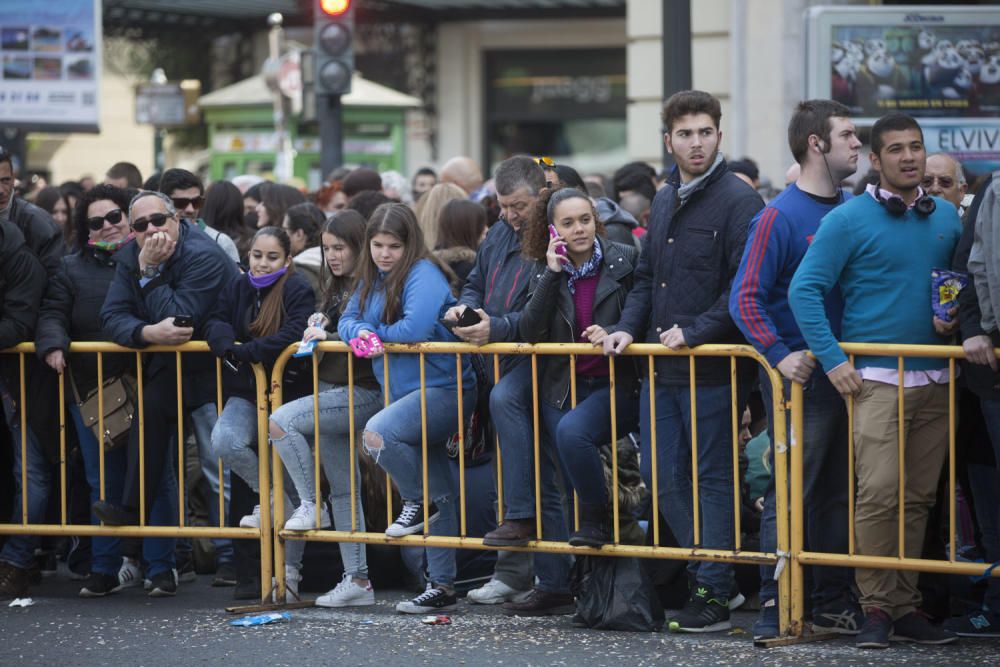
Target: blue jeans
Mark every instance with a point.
(296, 419)
(203, 421)
(715, 471)
(393, 439)
(824, 488)
(158, 552)
(991, 539)
(579, 433)
(512, 415)
(19, 550)
(234, 440)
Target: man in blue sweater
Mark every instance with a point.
(822, 139)
(880, 248)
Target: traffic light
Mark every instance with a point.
(334, 34)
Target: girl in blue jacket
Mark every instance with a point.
(401, 296)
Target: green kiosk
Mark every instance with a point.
(241, 135)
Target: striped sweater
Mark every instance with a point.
(778, 239)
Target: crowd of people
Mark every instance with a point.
(537, 253)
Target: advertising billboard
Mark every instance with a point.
(50, 65)
(939, 64)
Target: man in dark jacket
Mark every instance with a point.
(698, 228)
(497, 289)
(173, 269)
(22, 283)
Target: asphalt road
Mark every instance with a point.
(193, 628)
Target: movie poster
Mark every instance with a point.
(49, 64)
(928, 72)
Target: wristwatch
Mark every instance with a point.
(150, 272)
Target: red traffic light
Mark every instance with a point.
(334, 7)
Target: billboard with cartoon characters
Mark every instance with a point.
(940, 64)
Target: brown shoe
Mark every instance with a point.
(541, 603)
(511, 533)
(13, 581)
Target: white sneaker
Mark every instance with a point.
(251, 520)
(292, 579)
(129, 574)
(495, 591)
(347, 594)
(304, 517)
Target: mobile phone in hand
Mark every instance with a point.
(183, 321)
(553, 234)
(468, 318)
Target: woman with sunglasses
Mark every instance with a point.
(71, 311)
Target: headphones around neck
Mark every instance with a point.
(896, 207)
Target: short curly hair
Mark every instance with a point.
(122, 197)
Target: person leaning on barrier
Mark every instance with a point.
(171, 269)
(880, 248)
(22, 283)
(698, 227)
(979, 303)
(497, 289)
(823, 141)
(293, 424)
(580, 292)
(71, 312)
(257, 316)
(402, 292)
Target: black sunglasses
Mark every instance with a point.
(156, 219)
(181, 203)
(113, 216)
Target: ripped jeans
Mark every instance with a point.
(393, 438)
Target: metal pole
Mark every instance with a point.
(676, 54)
(331, 132)
(284, 156)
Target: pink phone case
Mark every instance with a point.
(360, 347)
(561, 250)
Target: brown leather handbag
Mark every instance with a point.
(119, 410)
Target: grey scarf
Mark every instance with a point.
(686, 189)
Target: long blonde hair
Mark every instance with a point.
(429, 208)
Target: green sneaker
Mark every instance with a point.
(704, 612)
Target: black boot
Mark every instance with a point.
(595, 527)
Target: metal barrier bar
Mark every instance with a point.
(181, 507)
(952, 489)
(499, 458)
(901, 462)
(221, 471)
(737, 419)
(316, 436)
(695, 504)
(614, 452)
(796, 532)
(264, 535)
(461, 448)
(850, 469)
(655, 475)
(572, 402)
(537, 433)
(423, 444)
(352, 445)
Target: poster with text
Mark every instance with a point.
(50, 57)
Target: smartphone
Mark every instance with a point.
(231, 362)
(553, 234)
(468, 318)
(183, 321)
(449, 324)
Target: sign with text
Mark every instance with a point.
(50, 55)
(975, 145)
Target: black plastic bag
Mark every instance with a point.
(615, 594)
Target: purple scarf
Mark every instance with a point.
(268, 280)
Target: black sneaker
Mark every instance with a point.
(917, 628)
(225, 575)
(435, 598)
(247, 590)
(99, 585)
(185, 571)
(842, 618)
(875, 631)
(704, 612)
(411, 519)
(980, 624)
(164, 585)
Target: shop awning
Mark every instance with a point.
(254, 92)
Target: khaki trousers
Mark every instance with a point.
(876, 517)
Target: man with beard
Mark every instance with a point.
(697, 231)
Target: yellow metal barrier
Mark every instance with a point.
(263, 534)
(737, 555)
(801, 557)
